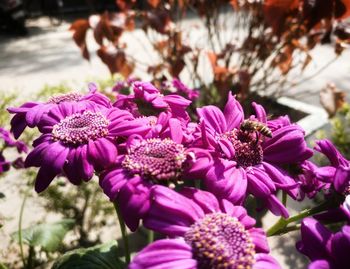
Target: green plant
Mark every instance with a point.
(85, 204)
(339, 131)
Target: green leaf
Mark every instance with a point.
(103, 256)
(47, 235)
(3, 266)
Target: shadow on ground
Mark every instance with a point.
(284, 246)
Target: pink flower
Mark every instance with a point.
(248, 161)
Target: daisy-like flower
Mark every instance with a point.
(8, 141)
(148, 162)
(325, 249)
(31, 113)
(147, 100)
(77, 140)
(176, 86)
(313, 179)
(248, 161)
(340, 178)
(210, 233)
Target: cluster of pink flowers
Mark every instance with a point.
(149, 155)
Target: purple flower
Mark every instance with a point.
(341, 177)
(4, 165)
(176, 86)
(31, 113)
(147, 100)
(313, 179)
(148, 162)
(77, 140)
(248, 161)
(325, 249)
(191, 94)
(210, 233)
(10, 142)
(123, 85)
(338, 214)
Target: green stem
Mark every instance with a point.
(150, 236)
(284, 198)
(282, 223)
(288, 229)
(197, 184)
(20, 230)
(124, 234)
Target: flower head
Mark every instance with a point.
(147, 100)
(211, 233)
(178, 87)
(148, 162)
(77, 140)
(8, 141)
(324, 248)
(248, 154)
(340, 178)
(313, 179)
(31, 113)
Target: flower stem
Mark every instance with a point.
(197, 184)
(281, 225)
(124, 234)
(284, 198)
(150, 236)
(20, 230)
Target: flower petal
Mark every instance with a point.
(341, 246)
(226, 181)
(214, 118)
(326, 147)
(102, 153)
(286, 146)
(259, 183)
(341, 178)
(206, 200)
(233, 112)
(283, 180)
(259, 239)
(260, 112)
(276, 207)
(166, 253)
(54, 157)
(134, 201)
(171, 213)
(316, 239)
(239, 212)
(320, 264)
(264, 261)
(112, 181)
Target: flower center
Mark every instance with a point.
(68, 97)
(220, 241)
(156, 159)
(248, 151)
(80, 128)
